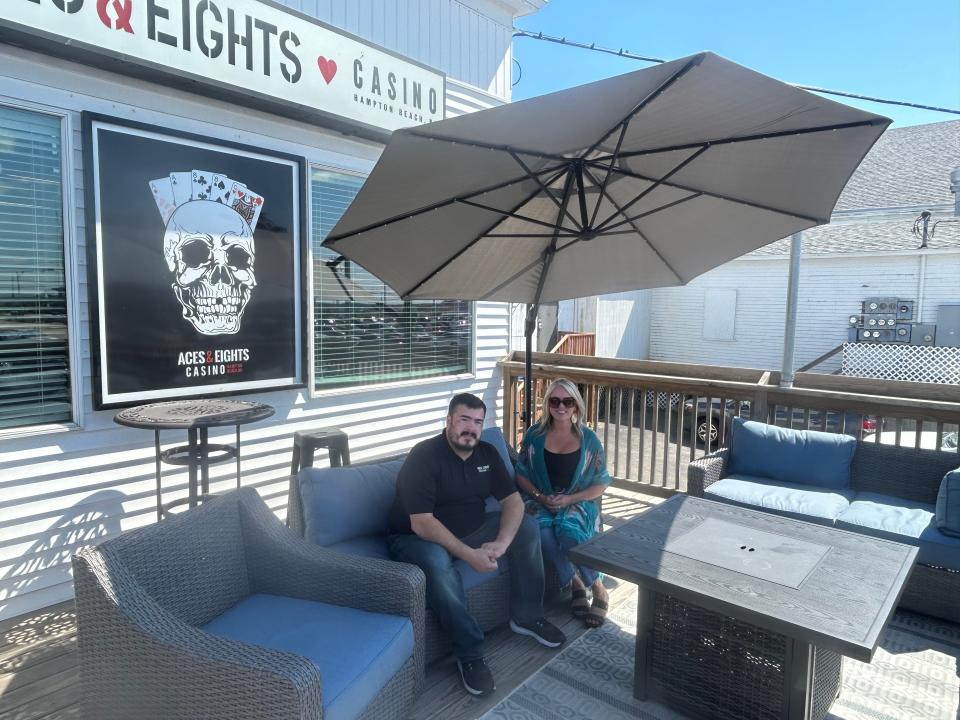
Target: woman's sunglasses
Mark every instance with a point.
(567, 402)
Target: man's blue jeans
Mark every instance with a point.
(445, 594)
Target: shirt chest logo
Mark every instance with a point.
(483, 468)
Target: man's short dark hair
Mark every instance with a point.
(470, 400)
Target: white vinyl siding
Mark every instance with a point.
(831, 289)
(62, 490)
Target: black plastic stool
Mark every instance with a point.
(305, 442)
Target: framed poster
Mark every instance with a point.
(195, 264)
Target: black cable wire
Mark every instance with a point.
(633, 56)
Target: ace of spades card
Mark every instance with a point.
(181, 186)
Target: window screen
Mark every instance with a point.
(34, 373)
(363, 332)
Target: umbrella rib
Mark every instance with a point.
(544, 258)
(745, 138)
(651, 96)
(508, 213)
(551, 249)
(606, 177)
(473, 242)
(630, 220)
(331, 239)
(721, 196)
(654, 186)
(531, 235)
(544, 188)
(489, 146)
(622, 211)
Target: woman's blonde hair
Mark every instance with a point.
(546, 419)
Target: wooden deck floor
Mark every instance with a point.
(38, 662)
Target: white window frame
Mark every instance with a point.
(470, 374)
(70, 267)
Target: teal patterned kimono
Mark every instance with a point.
(580, 521)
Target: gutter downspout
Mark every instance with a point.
(790, 331)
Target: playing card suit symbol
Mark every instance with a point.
(328, 68)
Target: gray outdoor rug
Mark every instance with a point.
(914, 675)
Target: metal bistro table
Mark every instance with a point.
(196, 417)
(746, 614)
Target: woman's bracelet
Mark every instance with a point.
(537, 494)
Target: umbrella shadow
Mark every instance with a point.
(47, 560)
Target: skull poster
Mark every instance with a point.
(195, 264)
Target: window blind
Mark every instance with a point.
(34, 372)
(363, 332)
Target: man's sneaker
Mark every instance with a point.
(540, 630)
(476, 677)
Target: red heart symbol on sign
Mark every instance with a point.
(328, 68)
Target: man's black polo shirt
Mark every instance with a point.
(435, 480)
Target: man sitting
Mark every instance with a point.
(439, 516)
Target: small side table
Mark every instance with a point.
(196, 417)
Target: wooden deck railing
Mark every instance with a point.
(655, 417)
(572, 343)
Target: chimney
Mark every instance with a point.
(955, 189)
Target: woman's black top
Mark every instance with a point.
(560, 468)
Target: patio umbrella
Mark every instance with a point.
(642, 180)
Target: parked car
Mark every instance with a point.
(908, 438)
(722, 411)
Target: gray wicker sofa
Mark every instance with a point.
(889, 492)
(221, 612)
(345, 509)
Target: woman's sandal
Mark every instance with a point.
(579, 605)
(597, 615)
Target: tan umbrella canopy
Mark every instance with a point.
(643, 180)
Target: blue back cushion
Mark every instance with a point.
(344, 503)
(494, 436)
(807, 457)
(948, 504)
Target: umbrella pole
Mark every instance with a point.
(528, 367)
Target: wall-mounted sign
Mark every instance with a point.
(257, 50)
(194, 258)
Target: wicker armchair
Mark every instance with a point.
(889, 470)
(143, 597)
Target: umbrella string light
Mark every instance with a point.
(633, 56)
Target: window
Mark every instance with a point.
(363, 332)
(34, 362)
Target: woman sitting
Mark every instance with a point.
(563, 472)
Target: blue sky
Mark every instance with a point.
(898, 49)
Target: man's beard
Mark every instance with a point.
(464, 441)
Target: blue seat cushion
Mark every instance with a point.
(344, 503)
(357, 652)
(948, 504)
(887, 517)
(804, 502)
(906, 521)
(494, 436)
(375, 546)
(938, 549)
(805, 457)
